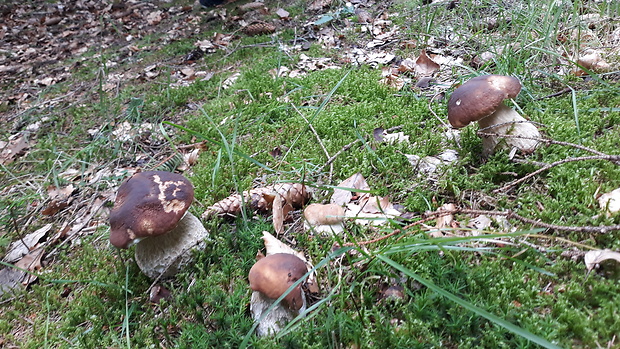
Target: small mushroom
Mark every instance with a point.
(270, 278)
(150, 210)
(326, 218)
(481, 99)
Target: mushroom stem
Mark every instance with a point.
(164, 255)
(277, 318)
(506, 121)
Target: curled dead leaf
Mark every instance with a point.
(425, 66)
(592, 258)
(344, 191)
(21, 247)
(592, 60)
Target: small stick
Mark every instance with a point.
(331, 165)
(508, 214)
(349, 146)
(554, 164)
(559, 93)
(543, 140)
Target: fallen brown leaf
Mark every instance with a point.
(425, 66)
(343, 196)
(23, 246)
(13, 148)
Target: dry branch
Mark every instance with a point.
(612, 158)
(428, 216)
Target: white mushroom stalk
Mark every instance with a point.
(165, 255)
(507, 122)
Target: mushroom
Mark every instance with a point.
(481, 99)
(270, 278)
(150, 210)
(326, 218)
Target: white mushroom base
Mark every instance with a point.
(277, 319)
(166, 254)
(506, 121)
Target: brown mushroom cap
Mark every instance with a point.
(147, 204)
(480, 97)
(274, 274)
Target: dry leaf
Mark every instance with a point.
(592, 60)
(425, 66)
(13, 148)
(407, 65)
(319, 4)
(22, 246)
(375, 204)
(429, 165)
(343, 196)
(398, 137)
(359, 216)
(393, 81)
(479, 224)
(592, 258)
(59, 199)
(363, 16)
(188, 72)
(443, 221)
(230, 80)
(610, 202)
(154, 18)
(377, 134)
(250, 6)
(30, 262)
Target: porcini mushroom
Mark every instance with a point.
(270, 278)
(481, 99)
(151, 210)
(326, 218)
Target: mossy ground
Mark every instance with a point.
(90, 295)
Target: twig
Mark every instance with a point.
(543, 140)
(512, 215)
(345, 148)
(428, 216)
(395, 232)
(559, 93)
(613, 158)
(430, 108)
(331, 165)
(349, 146)
(576, 244)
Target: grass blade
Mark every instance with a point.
(469, 306)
